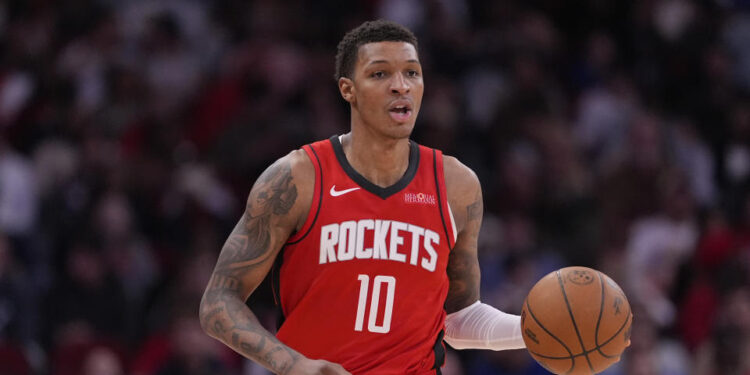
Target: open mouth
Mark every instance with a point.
(400, 113)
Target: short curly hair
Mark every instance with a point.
(368, 32)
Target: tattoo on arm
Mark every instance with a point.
(223, 311)
(463, 274)
(463, 266)
(474, 211)
(248, 245)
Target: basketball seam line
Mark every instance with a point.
(599, 319)
(572, 357)
(572, 318)
(601, 311)
(587, 351)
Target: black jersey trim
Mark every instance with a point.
(440, 200)
(439, 350)
(382, 192)
(320, 199)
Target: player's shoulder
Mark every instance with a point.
(462, 188)
(299, 161)
(301, 168)
(295, 171)
(459, 178)
(295, 163)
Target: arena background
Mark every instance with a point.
(612, 134)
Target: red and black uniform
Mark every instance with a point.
(363, 284)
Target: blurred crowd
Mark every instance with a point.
(612, 134)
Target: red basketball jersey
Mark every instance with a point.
(363, 284)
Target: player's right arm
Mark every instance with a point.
(471, 324)
(277, 205)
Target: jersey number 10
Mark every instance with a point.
(377, 285)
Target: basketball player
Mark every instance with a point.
(376, 237)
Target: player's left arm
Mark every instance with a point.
(471, 324)
(465, 200)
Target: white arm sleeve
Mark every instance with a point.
(481, 326)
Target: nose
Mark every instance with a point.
(399, 84)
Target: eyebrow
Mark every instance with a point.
(386, 61)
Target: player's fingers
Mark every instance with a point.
(341, 371)
(336, 369)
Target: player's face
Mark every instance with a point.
(386, 89)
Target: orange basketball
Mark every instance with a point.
(576, 320)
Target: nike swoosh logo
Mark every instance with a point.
(336, 193)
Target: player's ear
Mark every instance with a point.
(346, 88)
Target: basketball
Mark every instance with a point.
(576, 320)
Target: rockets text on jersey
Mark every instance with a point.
(349, 238)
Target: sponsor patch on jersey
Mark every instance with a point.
(420, 198)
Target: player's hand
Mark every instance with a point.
(318, 367)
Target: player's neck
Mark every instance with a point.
(382, 161)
